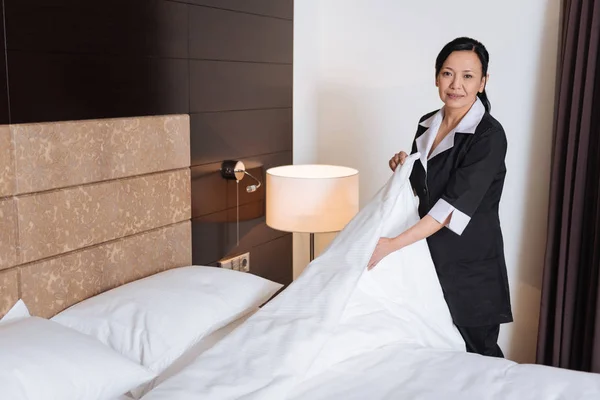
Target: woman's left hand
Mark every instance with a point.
(384, 247)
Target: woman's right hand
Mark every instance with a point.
(398, 159)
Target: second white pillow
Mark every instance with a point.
(153, 321)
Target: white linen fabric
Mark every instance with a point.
(323, 314)
(188, 357)
(42, 360)
(339, 326)
(401, 372)
(18, 311)
(155, 320)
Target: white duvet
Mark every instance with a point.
(341, 332)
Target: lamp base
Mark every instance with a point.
(312, 246)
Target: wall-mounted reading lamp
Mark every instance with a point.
(232, 169)
(235, 170)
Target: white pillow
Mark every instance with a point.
(18, 311)
(153, 321)
(40, 359)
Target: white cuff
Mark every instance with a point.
(458, 221)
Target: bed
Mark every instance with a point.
(111, 308)
(341, 332)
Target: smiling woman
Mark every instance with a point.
(459, 179)
(461, 73)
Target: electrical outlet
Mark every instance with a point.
(244, 262)
(227, 264)
(237, 263)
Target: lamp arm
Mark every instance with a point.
(251, 188)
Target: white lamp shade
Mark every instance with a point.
(311, 198)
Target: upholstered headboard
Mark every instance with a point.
(86, 206)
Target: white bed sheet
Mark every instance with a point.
(340, 332)
(189, 356)
(401, 372)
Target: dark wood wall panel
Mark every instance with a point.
(211, 193)
(213, 239)
(130, 27)
(273, 258)
(241, 108)
(238, 134)
(4, 114)
(215, 218)
(53, 87)
(224, 35)
(216, 234)
(227, 63)
(222, 86)
(273, 8)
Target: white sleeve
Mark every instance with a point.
(458, 221)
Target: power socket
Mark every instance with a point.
(237, 263)
(227, 263)
(244, 262)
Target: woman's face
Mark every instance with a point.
(460, 79)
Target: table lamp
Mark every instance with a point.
(311, 199)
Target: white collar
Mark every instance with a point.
(469, 122)
(467, 125)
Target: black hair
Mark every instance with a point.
(467, 44)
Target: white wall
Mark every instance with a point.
(364, 74)
(306, 68)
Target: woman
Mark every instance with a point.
(459, 179)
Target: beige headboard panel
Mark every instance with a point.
(86, 206)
